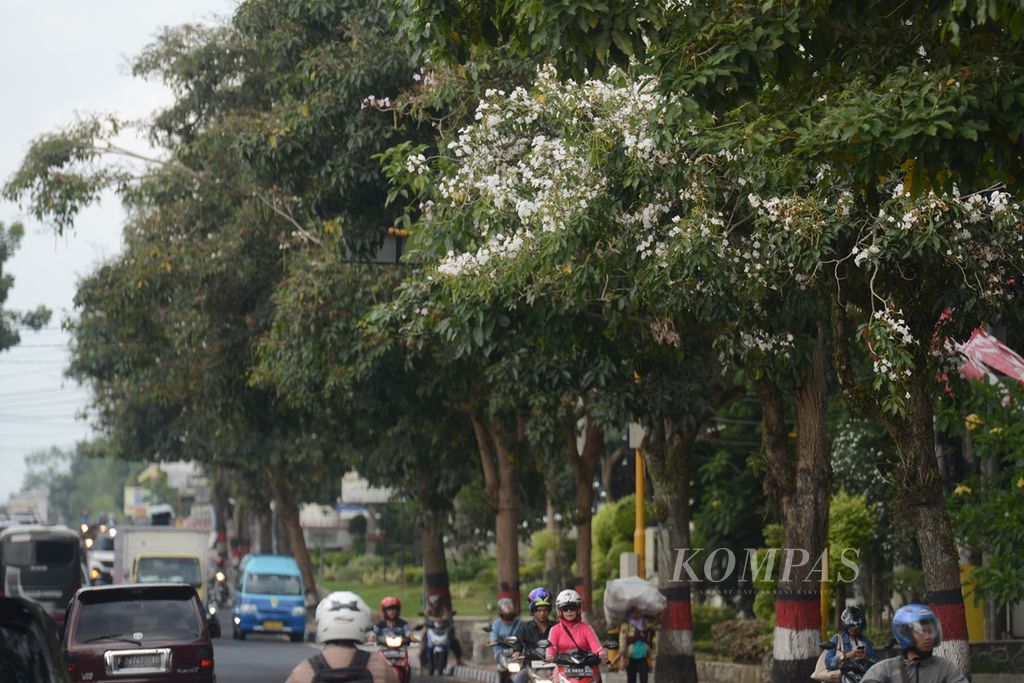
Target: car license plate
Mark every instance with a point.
(127, 662)
(273, 625)
(579, 671)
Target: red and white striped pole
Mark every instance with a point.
(674, 662)
(948, 606)
(797, 635)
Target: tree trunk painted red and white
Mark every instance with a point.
(801, 486)
(668, 461)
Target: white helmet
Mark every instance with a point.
(342, 615)
(568, 597)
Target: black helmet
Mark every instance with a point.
(852, 618)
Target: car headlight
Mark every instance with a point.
(247, 608)
(514, 667)
(393, 641)
(298, 611)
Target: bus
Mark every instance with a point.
(44, 564)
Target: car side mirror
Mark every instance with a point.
(214, 625)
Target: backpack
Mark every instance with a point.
(356, 672)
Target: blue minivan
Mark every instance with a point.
(269, 597)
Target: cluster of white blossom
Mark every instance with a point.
(427, 79)
(768, 344)
(416, 163)
(498, 246)
(528, 157)
(376, 102)
(781, 211)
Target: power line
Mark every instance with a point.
(46, 391)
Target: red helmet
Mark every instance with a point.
(390, 601)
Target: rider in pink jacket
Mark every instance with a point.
(571, 632)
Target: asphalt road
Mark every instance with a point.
(265, 658)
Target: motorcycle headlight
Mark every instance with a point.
(514, 667)
(393, 641)
(298, 611)
(221, 576)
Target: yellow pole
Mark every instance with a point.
(639, 537)
(825, 611)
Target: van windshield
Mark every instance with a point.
(168, 570)
(273, 584)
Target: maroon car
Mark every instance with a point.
(139, 634)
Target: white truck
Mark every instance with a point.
(161, 554)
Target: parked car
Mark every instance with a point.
(269, 597)
(29, 652)
(139, 632)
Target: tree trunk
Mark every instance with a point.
(802, 491)
(554, 559)
(266, 522)
(921, 488)
(435, 566)
(506, 527)
(219, 493)
(608, 463)
(668, 461)
(288, 510)
(584, 464)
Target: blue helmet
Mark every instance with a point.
(911, 619)
(539, 597)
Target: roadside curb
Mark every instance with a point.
(471, 673)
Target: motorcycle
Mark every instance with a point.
(219, 590)
(535, 664)
(577, 666)
(437, 643)
(851, 670)
(394, 645)
(510, 659)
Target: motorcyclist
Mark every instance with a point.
(917, 631)
(438, 611)
(390, 612)
(342, 620)
(535, 630)
(504, 625)
(571, 632)
(851, 645)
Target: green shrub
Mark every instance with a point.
(764, 606)
(487, 575)
(745, 641)
(705, 616)
(412, 575)
(468, 568)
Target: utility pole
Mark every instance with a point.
(636, 440)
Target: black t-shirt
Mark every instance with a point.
(530, 633)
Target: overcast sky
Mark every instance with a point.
(59, 57)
